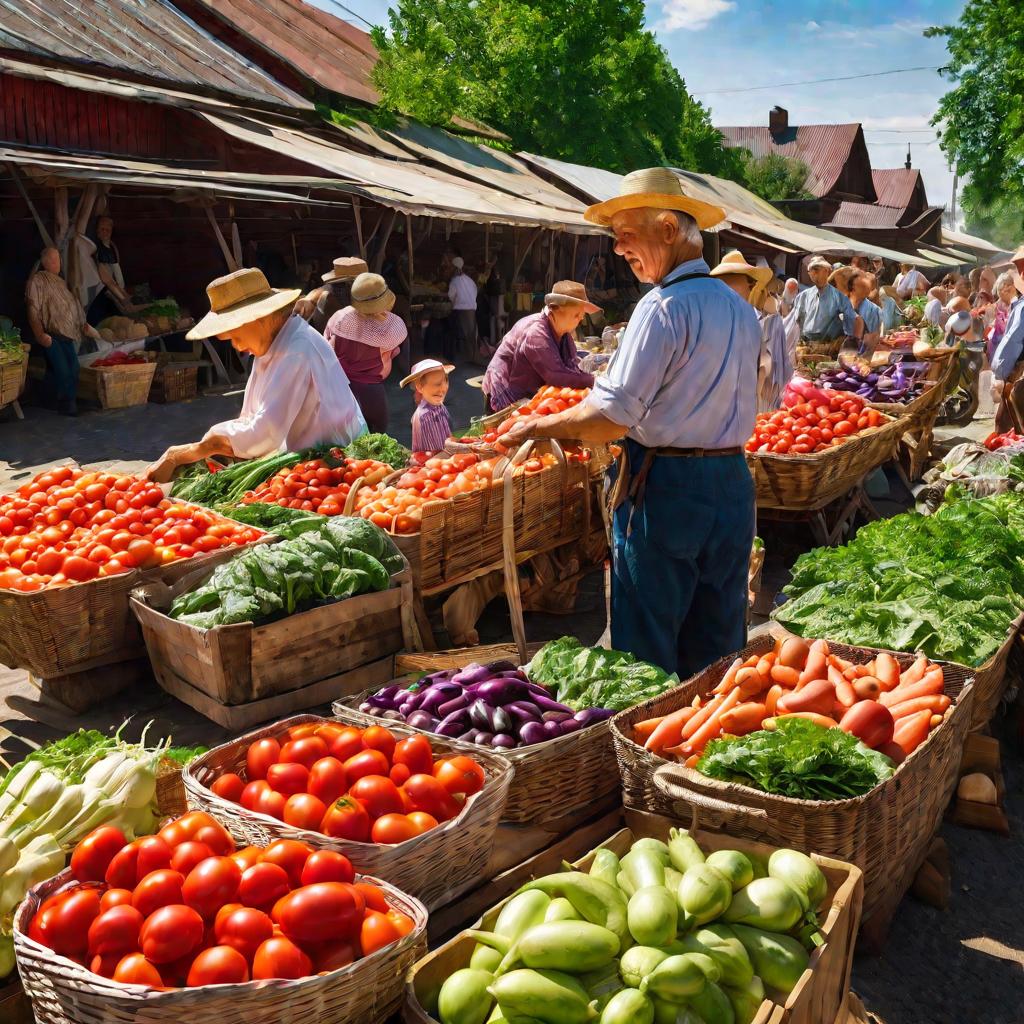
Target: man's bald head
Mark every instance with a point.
(50, 259)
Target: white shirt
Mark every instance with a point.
(906, 284)
(933, 311)
(297, 396)
(462, 292)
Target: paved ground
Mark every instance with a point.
(950, 967)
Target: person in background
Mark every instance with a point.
(824, 312)
(892, 315)
(540, 349)
(494, 288)
(59, 326)
(859, 288)
(984, 293)
(934, 309)
(462, 294)
(112, 299)
(297, 395)
(999, 311)
(1008, 362)
(365, 337)
(431, 423)
(861, 263)
(322, 303)
(910, 282)
(790, 290)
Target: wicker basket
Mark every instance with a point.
(990, 679)
(174, 383)
(366, 992)
(170, 790)
(116, 387)
(885, 832)
(12, 377)
(435, 867)
(812, 481)
(815, 998)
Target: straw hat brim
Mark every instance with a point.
(447, 367)
(381, 304)
(705, 214)
(759, 275)
(335, 276)
(841, 277)
(558, 299)
(244, 312)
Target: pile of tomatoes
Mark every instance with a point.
(184, 908)
(812, 426)
(68, 526)
(121, 359)
(357, 784)
(547, 401)
(315, 486)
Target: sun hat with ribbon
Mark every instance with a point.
(655, 188)
(424, 366)
(570, 293)
(345, 268)
(371, 294)
(240, 298)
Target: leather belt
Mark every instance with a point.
(697, 453)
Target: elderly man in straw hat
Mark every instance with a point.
(682, 388)
(540, 349)
(823, 311)
(297, 394)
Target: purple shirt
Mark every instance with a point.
(431, 427)
(529, 357)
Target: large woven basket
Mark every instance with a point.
(885, 832)
(366, 992)
(174, 383)
(990, 679)
(12, 376)
(116, 387)
(812, 481)
(435, 866)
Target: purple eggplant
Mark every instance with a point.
(471, 674)
(547, 704)
(520, 715)
(568, 726)
(481, 714)
(458, 703)
(438, 694)
(470, 737)
(591, 716)
(501, 691)
(552, 729)
(422, 720)
(532, 732)
(503, 741)
(557, 716)
(454, 725)
(483, 739)
(414, 699)
(503, 722)
(525, 707)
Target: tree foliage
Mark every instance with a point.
(774, 177)
(584, 82)
(981, 119)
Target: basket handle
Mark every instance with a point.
(686, 798)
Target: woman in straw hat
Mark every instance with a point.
(682, 388)
(540, 349)
(296, 396)
(365, 337)
(322, 303)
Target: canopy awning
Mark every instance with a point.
(961, 240)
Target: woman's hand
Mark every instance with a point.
(161, 471)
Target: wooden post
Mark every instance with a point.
(295, 254)
(236, 243)
(575, 247)
(44, 234)
(228, 257)
(388, 222)
(61, 217)
(410, 249)
(487, 242)
(551, 258)
(526, 252)
(359, 226)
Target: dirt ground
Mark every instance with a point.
(962, 965)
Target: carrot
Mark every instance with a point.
(642, 730)
(752, 661)
(743, 718)
(937, 704)
(915, 673)
(845, 693)
(887, 671)
(912, 730)
(729, 678)
(935, 721)
(669, 730)
(867, 688)
(816, 664)
(822, 720)
(705, 712)
(840, 663)
(712, 726)
(765, 663)
(749, 681)
(835, 676)
(772, 699)
(786, 676)
(930, 684)
(691, 761)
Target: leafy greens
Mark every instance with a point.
(798, 759)
(381, 447)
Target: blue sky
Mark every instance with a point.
(737, 44)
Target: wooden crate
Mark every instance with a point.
(817, 997)
(249, 670)
(116, 387)
(175, 383)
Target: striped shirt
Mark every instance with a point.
(431, 427)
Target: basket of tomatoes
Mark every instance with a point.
(73, 544)
(182, 926)
(817, 447)
(421, 812)
(317, 486)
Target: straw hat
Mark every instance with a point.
(655, 188)
(371, 294)
(735, 263)
(345, 268)
(1018, 254)
(819, 261)
(840, 277)
(240, 298)
(422, 367)
(570, 293)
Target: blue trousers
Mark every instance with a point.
(679, 578)
(62, 369)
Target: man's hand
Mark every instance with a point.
(997, 391)
(45, 340)
(305, 305)
(523, 429)
(162, 470)
(91, 332)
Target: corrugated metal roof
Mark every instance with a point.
(895, 185)
(866, 215)
(824, 148)
(150, 39)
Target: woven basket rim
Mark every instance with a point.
(869, 434)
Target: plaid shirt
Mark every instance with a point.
(431, 427)
(58, 310)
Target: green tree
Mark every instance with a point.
(774, 177)
(584, 82)
(1001, 222)
(981, 119)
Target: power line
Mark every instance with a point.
(816, 81)
(347, 10)
(897, 131)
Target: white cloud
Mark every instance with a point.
(812, 26)
(692, 15)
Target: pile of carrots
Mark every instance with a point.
(888, 709)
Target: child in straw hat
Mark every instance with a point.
(431, 423)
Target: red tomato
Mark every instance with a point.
(217, 838)
(106, 964)
(70, 920)
(271, 803)
(79, 569)
(120, 873)
(424, 822)
(211, 884)
(245, 858)
(171, 933)
(376, 932)
(346, 818)
(135, 969)
(186, 827)
(427, 794)
(299, 732)
(327, 779)
(250, 795)
(188, 855)
(323, 912)
(218, 965)
(393, 828)
(115, 931)
(288, 777)
(244, 929)
(289, 854)
(161, 888)
(369, 762)
(280, 958)
(399, 774)
(416, 753)
(228, 787)
(373, 896)
(376, 737)
(154, 854)
(115, 898)
(303, 810)
(460, 775)
(332, 956)
(403, 922)
(378, 794)
(92, 856)
(260, 756)
(347, 744)
(305, 751)
(263, 885)
(327, 866)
